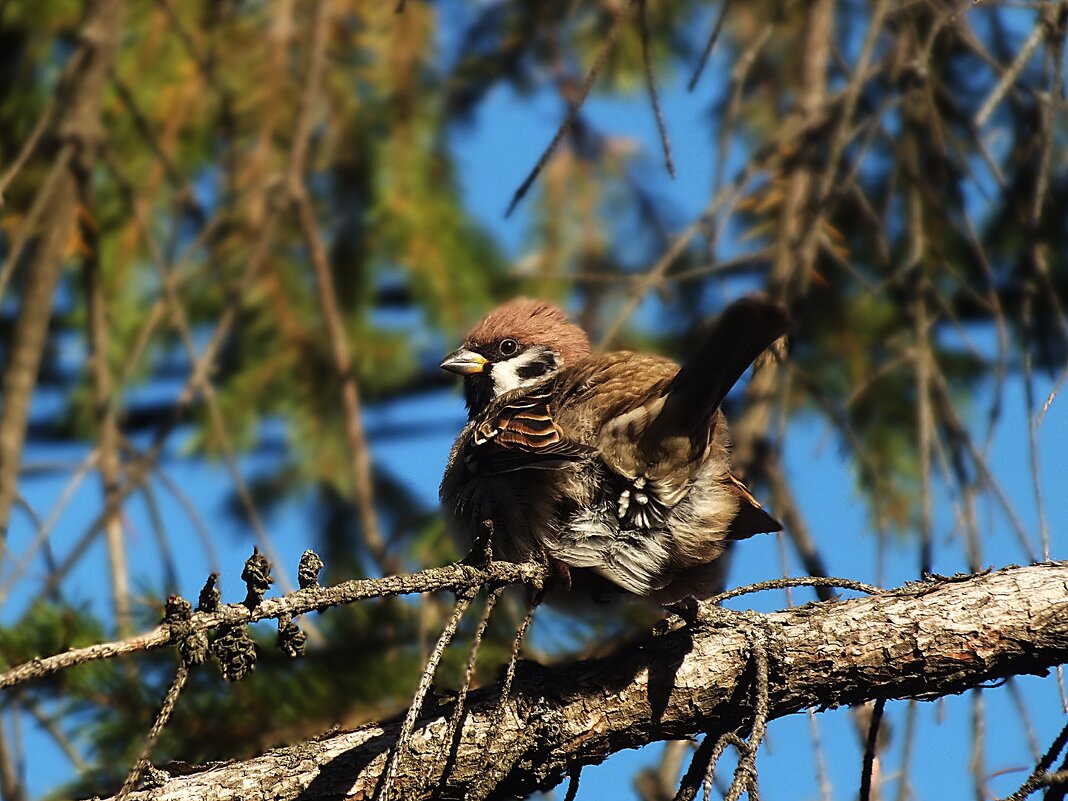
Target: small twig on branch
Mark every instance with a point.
(803, 581)
(157, 729)
(454, 732)
(463, 600)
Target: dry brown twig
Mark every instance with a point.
(26, 151)
(1038, 776)
(109, 459)
(871, 747)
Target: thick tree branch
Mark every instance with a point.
(923, 641)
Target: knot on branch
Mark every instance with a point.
(482, 548)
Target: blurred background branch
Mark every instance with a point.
(236, 238)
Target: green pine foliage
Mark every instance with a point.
(189, 198)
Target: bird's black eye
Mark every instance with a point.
(508, 347)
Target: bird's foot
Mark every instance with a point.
(560, 573)
(481, 553)
(687, 609)
(681, 614)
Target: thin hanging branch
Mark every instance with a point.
(169, 701)
(1035, 780)
(463, 601)
(724, 9)
(700, 768)
(1010, 76)
(619, 17)
(745, 774)
(108, 461)
(26, 151)
(454, 733)
(650, 82)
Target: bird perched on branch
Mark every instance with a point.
(614, 467)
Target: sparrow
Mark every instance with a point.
(614, 468)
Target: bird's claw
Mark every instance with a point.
(481, 553)
(560, 572)
(682, 614)
(687, 609)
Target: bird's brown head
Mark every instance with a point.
(516, 345)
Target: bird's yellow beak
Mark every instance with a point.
(464, 362)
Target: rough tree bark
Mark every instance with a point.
(923, 641)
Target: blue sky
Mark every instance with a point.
(494, 155)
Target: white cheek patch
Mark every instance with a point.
(505, 374)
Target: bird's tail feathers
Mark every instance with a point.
(739, 335)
